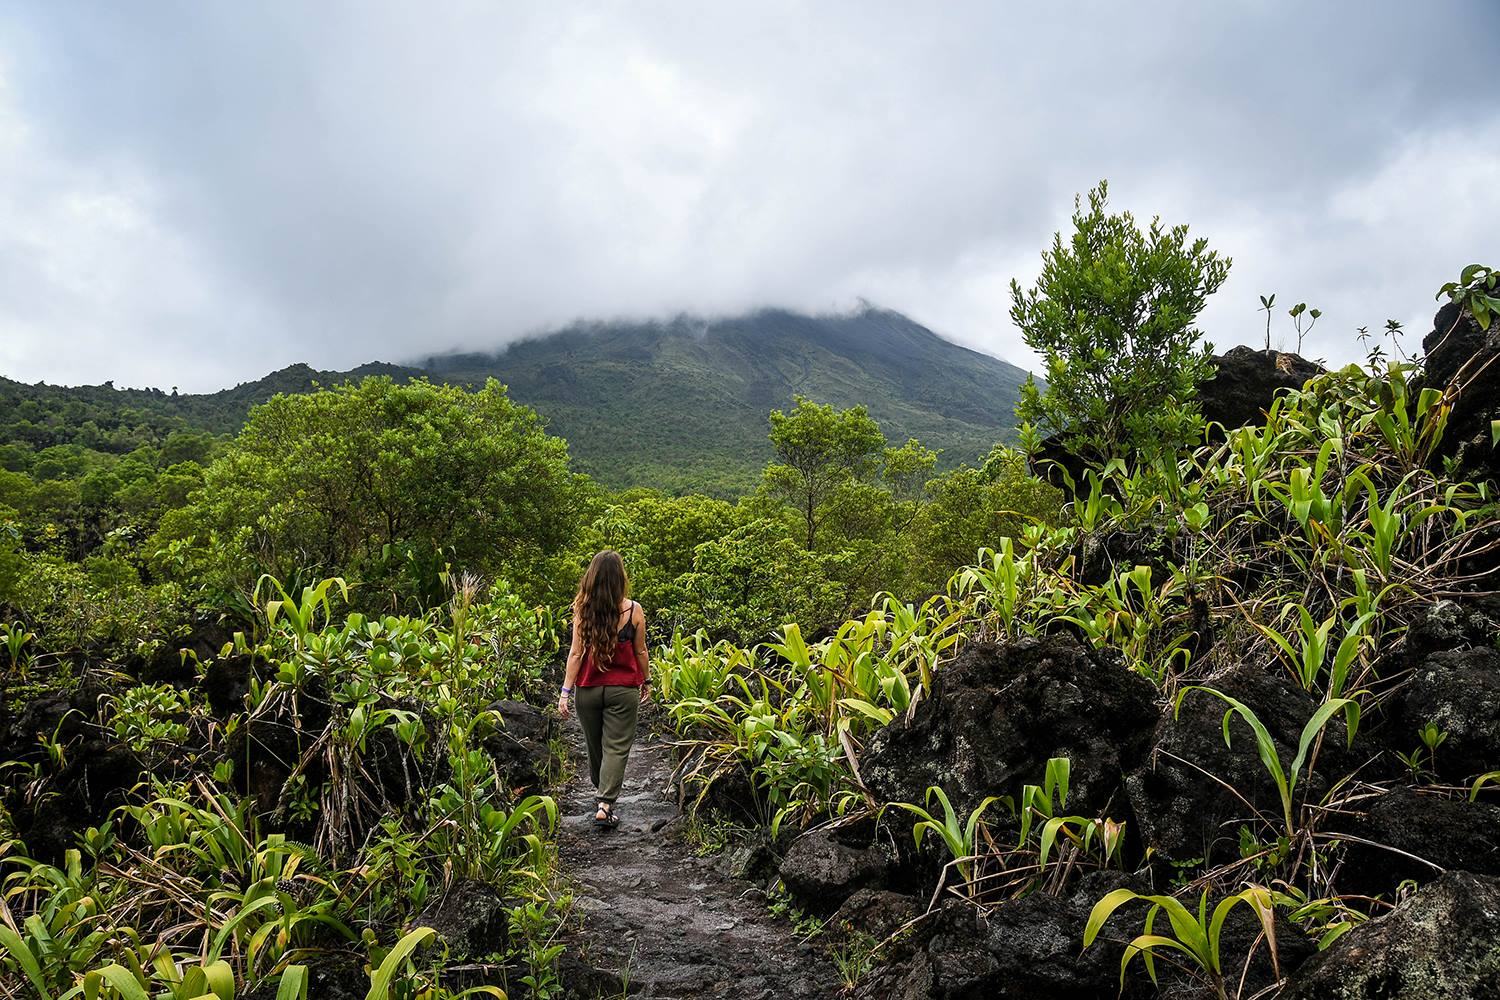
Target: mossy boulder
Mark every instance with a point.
(1441, 943)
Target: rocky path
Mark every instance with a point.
(672, 924)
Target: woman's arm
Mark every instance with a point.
(570, 672)
(642, 657)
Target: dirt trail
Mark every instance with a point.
(673, 923)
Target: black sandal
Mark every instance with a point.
(610, 820)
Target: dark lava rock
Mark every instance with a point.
(582, 981)
(821, 871)
(1449, 624)
(755, 860)
(176, 662)
(1441, 944)
(338, 977)
(95, 780)
(998, 713)
(1405, 827)
(226, 681)
(64, 716)
(1247, 380)
(1180, 808)
(1458, 690)
(1458, 349)
(524, 722)
(522, 746)
(50, 715)
(1037, 945)
(876, 913)
(1024, 948)
(470, 917)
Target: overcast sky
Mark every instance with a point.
(195, 193)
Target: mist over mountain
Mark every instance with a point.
(678, 404)
(683, 403)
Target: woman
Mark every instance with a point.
(608, 666)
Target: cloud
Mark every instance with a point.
(197, 193)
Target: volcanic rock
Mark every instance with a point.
(1406, 834)
(1442, 943)
(470, 917)
(1247, 380)
(821, 871)
(522, 747)
(1458, 691)
(1465, 360)
(998, 713)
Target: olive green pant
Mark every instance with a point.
(608, 714)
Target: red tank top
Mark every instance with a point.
(622, 669)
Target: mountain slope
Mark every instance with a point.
(679, 405)
(682, 405)
(104, 418)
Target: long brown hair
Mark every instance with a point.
(604, 587)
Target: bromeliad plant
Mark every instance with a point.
(966, 840)
(1197, 938)
(1285, 777)
(795, 714)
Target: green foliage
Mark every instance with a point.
(538, 929)
(206, 981)
(793, 713)
(855, 957)
(1326, 918)
(224, 899)
(1195, 936)
(149, 717)
(1307, 543)
(962, 838)
(1475, 292)
(757, 578)
(658, 537)
(1112, 316)
(68, 608)
(968, 509)
(1489, 777)
(1422, 769)
(1284, 776)
(361, 479)
(819, 453)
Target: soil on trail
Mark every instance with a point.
(673, 924)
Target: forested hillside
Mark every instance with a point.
(682, 405)
(679, 405)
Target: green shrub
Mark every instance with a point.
(1112, 316)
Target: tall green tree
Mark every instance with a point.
(1112, 315)
(370, 480)
(818, 451)
(755, 579)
